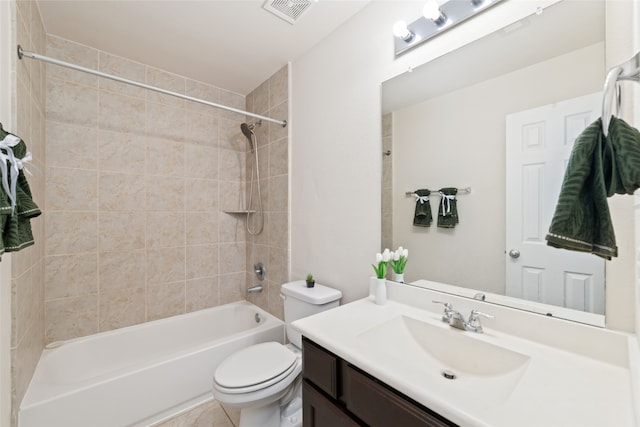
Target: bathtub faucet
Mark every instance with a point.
(254, 289)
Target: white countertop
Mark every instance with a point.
(557, 387)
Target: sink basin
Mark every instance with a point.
(435, 353)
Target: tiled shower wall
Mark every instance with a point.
(27, 265)
(137, 183)
(387, 181)
(271, 246)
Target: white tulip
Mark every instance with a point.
(405, 253)
(396, 255)
(378, 258)
(386, 255)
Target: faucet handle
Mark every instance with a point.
(448, 310)
(474, 320)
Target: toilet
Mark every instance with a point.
(263, 380)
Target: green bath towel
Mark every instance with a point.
(422, 216)
(599, 167)
(448, 210)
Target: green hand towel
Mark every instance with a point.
(422, 216)
(448, 210)
(15, 226)
(599, 167)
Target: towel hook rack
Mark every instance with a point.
(630, 70)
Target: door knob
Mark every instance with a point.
(514, 253)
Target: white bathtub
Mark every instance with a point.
(141, 374)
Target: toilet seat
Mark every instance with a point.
(254, 368)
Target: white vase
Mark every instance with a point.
(381, 291)
(398, 277)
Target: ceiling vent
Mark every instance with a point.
(289, 10)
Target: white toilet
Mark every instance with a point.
(263, 380)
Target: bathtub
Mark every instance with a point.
(139, 375)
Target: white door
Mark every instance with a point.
(538, 146)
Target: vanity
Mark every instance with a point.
(400, 364)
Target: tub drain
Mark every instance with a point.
(449, 374)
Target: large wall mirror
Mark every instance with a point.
(499, 116)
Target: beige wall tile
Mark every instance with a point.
(165, 265)
(165, 121)
(232, 257)
(201, 128)
(71, 317)
(72, 189)
(121, 270)
(260, 95)
(121, 113)
(230, 135)
(278, 193)
(74, 53)
(279, 230)
(121, 152)
(70, 146)
(234, 100)
(71, 275)
(71, 232)
(71, 103)
(232, 165)
(165, 193)
(277, 131)
(165, 300)
(201, 261)
(232, 228)
(167, 81)
(202, 228)
(202, 293)
(202, 195)
(124, 68)
(279, 157)
(279, 87)
(121, 231)
(232, 287)
(120, 308)
(205, 92)
(121, 192)
(165, 157)
(202, 162)
(165, 229)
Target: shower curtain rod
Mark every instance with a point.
(22, 53)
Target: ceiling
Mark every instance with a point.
(231, 44)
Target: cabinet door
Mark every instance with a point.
(318, 411)
(378, 406)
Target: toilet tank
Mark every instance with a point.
(300, 301)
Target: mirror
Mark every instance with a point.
(445, 124)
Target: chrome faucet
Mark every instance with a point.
(456, 320)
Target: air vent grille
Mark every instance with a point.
(289, 10)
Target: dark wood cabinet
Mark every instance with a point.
(336, 393)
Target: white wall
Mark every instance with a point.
(6, 91)
(336, 145)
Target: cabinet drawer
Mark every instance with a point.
(320, 367)
(319, 411)
(378, 405)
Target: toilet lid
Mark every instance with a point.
(254, 365)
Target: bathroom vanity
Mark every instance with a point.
(336, 393)
(400, 364)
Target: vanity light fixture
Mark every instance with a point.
(435, 20)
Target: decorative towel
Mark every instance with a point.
(16, 203)
(422, 216)
(448, 210)
(599, 167)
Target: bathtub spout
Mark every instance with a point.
(254, 289)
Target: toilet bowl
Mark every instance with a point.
(263, 380)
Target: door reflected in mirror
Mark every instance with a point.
(449, 123)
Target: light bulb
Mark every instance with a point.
(431, 10)
(400, 30)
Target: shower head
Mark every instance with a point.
(247, 130)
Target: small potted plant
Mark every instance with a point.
(398, 263)
(310, 281)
